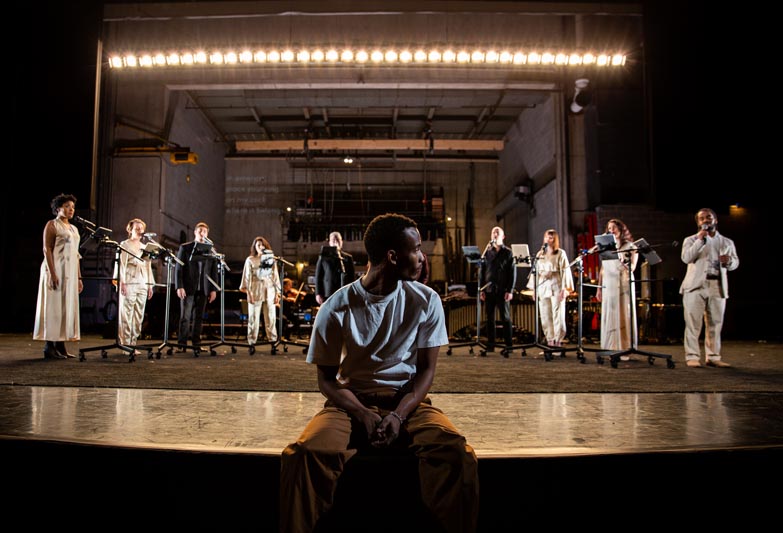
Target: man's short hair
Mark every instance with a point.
(714, 215)
(384, 233)
(202, 225)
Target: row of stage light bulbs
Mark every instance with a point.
(363, 56)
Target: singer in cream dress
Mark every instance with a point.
(555, 282)
(136, 280)
(261, 283)
(615, 296)
(59, 285)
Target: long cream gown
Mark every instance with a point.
(57, 311)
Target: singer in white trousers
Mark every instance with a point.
(261, 283)
(705, 289)
(555, 282)
(135, 280)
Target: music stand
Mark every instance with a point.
(101, 236)
(524, 257)
(634, 349)
(473, 257)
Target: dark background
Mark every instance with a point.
(707, 142)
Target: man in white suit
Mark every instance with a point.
(709, 255)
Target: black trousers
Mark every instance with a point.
(191, 317)
(494, 301)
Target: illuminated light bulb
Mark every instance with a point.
(376, 56)
(246, 56)
(406, 56)
(332, 55)
(420, 56)
(287, 56)
(463, 57)
(318, 56)
(391, 56)
(449, 56)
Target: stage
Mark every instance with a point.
(210, 458)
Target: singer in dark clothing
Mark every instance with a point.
(333, 269)
(497, 281)
(193, 286)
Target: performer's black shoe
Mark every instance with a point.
(60, 347)
(50, 351)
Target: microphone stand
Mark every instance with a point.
(102, 237)
(222, 268)
(280, 339)
(169, 260)
(476, 340)
(579, 349)
(545, 347)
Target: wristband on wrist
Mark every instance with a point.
(397, 416)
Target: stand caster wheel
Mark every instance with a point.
(104, 354)
(482, 353)
(168, 352)
(274, 350)
(81, 356)
(669, 363)
(505, 353)
(470, 350)
(251, 350)
(448, 352)
(547, 356)
(599, 359)
(304, 350)
(285, 348)
(132, 358)
(613, 362)
(233, 349)
(196, 353)
(212, 353)
(651, 360)
(524, 353)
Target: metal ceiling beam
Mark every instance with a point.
(372, 144)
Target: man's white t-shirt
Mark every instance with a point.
(374, 339)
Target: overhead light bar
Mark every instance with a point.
(361, 56)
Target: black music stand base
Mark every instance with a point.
(614, 357)
(471, 344)
(131, 350)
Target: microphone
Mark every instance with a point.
(150, 235)
(208, 241)
(705, 227)
(492, 242)
(80, 220)
(543, 248)
(675, 244)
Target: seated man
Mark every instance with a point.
(376, 343)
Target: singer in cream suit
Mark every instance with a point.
(261, 283)
(709, 255)
(136, 281)
(555, 282)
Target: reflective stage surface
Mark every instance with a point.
(496, 425)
